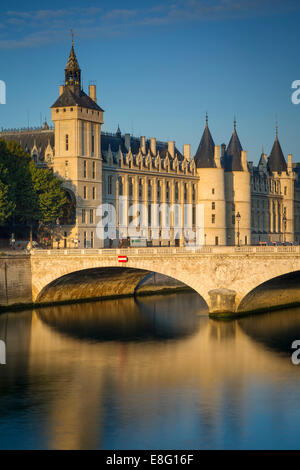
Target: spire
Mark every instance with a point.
(72, 70)
(233, 155)
(118, 133)
(205, 155)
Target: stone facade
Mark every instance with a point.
(243, 204)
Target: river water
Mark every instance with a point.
(152, 373)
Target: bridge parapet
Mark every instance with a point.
(214, 250)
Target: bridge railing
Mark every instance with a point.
(169, 250)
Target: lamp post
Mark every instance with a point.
(238, 218)
(284, 227)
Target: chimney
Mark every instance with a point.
(187, 151)
(61, 89)
(153, 145)
(143, 144)
(217, 156)
(244, 160)
(223, 147)
(171, 148)
(290, 162)
(127, 141)
(92, 92)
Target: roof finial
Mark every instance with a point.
(234, 122)
(72, 35)
(206, 119)
(276, 129)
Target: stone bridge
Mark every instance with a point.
(223, 276)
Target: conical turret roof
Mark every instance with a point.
(205, 154)
(233, 155)
(276, 161)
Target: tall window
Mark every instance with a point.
(109, 184)
(92, 239)
(83, 216)
(130, 184)
(67, 141)
(94, 170)
(213, 191)
(185, 193)
(149, 215)
(158, 191)
(149, 190)
(84, 192)
(91, 216)
(84, 169)
(213, 206)
(94, 192)
(213, 218)
(140, 188)
(84, 239)
(82, 138)
(176, 192)
(194, 216)
(120, 186)
(167, 191)
(92, 140)
(66, 169)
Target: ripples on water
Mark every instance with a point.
(153, 373)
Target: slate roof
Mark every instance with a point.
(204, 157)
(276, 161)
(69, 98)
(27, 140)
(117, 141)
(233, 154)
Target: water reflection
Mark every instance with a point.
(275, 330)
(128, 319)
(155, 373)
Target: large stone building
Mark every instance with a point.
(243, 203)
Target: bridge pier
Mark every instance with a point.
(222, 301)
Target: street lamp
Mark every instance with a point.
(284, 226)
(238, 218)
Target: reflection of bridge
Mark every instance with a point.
(223, 276)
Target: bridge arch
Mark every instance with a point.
(278, 291)
(95, 283)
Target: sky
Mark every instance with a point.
(160, 66)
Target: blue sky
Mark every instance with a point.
(159, 66)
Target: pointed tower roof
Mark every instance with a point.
(72, 63)
(118, 133)
(233, 155)
(205, 154)
(276, 161)
(72, 71)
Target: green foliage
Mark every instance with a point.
(27, 194)
(51, 195)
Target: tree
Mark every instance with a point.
(27, 194)
(6, 206)
(50, 193)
